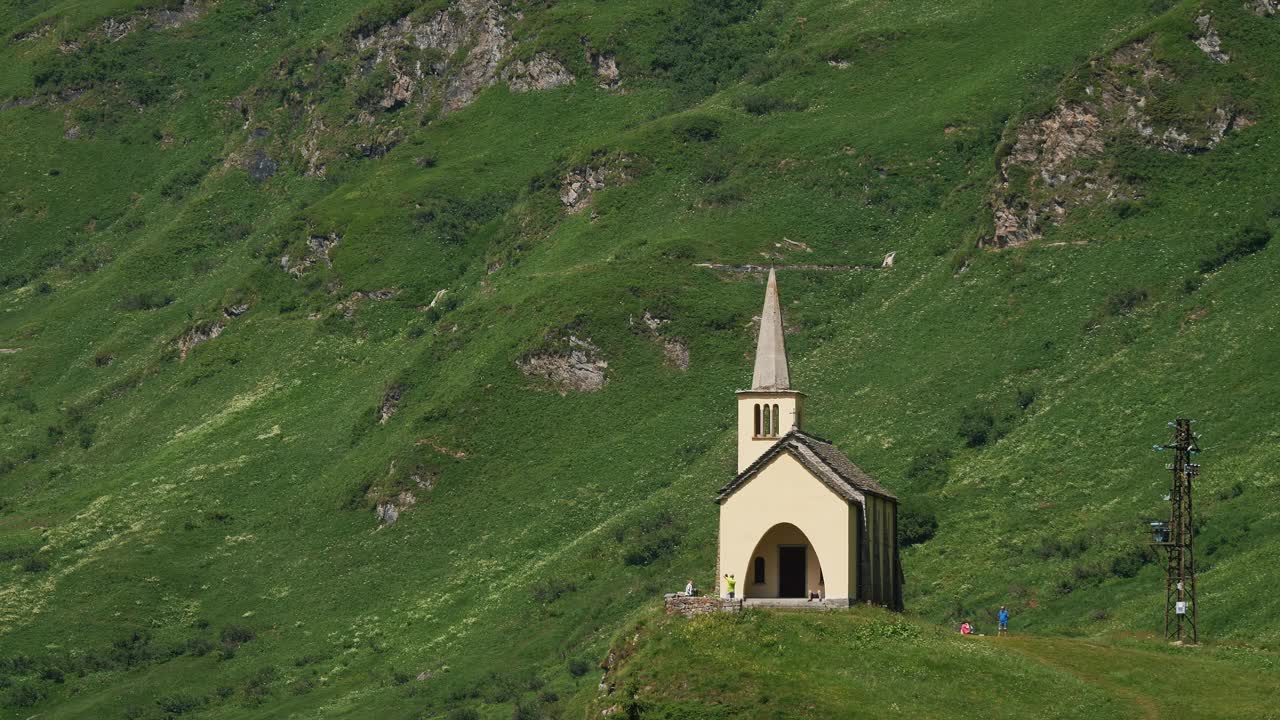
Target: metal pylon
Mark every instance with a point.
(1180, 567)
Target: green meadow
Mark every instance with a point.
(225, 350)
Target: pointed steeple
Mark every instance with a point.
(771, 354)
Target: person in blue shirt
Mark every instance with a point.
(1004, 621)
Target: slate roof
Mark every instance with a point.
(832, 467)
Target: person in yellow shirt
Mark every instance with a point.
(729, 584)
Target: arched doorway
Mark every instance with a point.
(784, 564)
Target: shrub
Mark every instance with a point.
(696, 127)
(147, 300)
(1054, 547)
(550, 590)
(930, 469)
(649, 539)
(917, 522)
(233, 636)
(578, 667)
(24, 695)
(977, 426)
(463, 713)
(526, 710)
(1131, 562)
(180, 704)
(760, 103)
(1123, 302)
(1248, 240)
(35, 564)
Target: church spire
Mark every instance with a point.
(771, 354)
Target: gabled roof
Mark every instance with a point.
(830, 466)
(771, 372)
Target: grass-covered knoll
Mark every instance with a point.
(866, 663)
(198, 436)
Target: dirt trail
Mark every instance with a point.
(1074, 657)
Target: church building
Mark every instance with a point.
(801, 520)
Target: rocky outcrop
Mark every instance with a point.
(452, 56)
(388, 511)
(1209, 41)
(319, 248)
(676, 354)
(578, 368)
(260, 167)
(390, 403)
(541, 72)
(1057, 161)
(200, 333)
(606, 68)
(579, 184)
(1264, 8)
(118, 28)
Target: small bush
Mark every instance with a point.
(1054, 547)
(930, 469)
(649, 538)
(760, 103)
(24, 695)
(233, 636)
(1132, 561)
(917, 522)
(35, 564)
(463, 713)
(1232, 492)
(180, 704)
(579, 667)
(548, 591)
(977, 426)
(1248, 240)
(1124, 302)
(695, 127)
(148, 300)
(526, 710)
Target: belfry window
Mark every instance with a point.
(776, 421)
(767, 422)
(757, 419)
(759, 570)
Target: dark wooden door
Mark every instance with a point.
(791, 571)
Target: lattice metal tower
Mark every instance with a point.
(1178, 538)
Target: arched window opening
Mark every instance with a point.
(759, 570)
(757, 419)
(767, 422)
(777, 421)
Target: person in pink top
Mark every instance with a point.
(965, 628)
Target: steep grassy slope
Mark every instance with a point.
(865, 664)
(195, 453)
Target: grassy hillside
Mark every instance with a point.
(867, 664)
(226, 360)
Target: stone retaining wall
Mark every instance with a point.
(700, 605)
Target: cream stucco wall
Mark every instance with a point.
(790, 409)
(784, 492)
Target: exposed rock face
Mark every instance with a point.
(116, 29)
(541, 72)
(201, 333)
(261, 167)
(319, 248)
(477, 28)
(581, 183)
(676, 354)
(580, 369)
(235, 311)
(1209, 41)
(606, 67)
(1057, 161)
(388, 511)
(1264, 8)
(390, 403)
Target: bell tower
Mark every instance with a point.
(770, 409)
